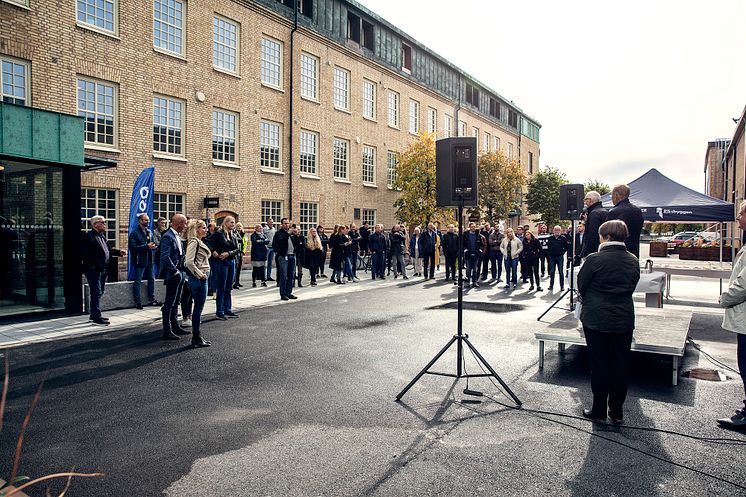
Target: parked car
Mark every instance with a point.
(680, 238)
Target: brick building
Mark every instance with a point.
(276, 111)
(715, 168)
(735, 168)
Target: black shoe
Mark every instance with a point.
(138, 306)
(239, 285)
(292, 297)
(589, 414)
(264, 283)
(200, 342)
(322, 275)
(616, 420)
(270, 279)
(231, 314)
(313, 283)
(539, 289)
(284, 298)
(221, 317)
(253, 285)
(101, 321)
(178, 330)
(551, 288)
(210, 294)
(235, 287)
(738, 420)
(383, 277)
(169, 336)
(531, 288)
(154, 303)
(299, 285)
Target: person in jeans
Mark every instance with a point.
(259, 250)
(285, 259)
(496, 257)
(96, 255)
(224, 246)
(474, 246)
(198, 270)
(377, 247)
(142, 247)
(556, 247)
(269, 233)
(511, 247)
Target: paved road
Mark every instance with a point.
(298, 400)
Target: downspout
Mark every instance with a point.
(292, 94)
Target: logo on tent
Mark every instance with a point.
(659, 211)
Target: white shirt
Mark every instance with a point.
(178, 239)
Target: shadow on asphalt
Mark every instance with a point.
(708, 327)
(479, 306)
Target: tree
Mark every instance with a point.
(594, 184)
(544, 194)
(415, 178)
(499, 180)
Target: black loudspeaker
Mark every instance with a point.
(571, 201)
(456, 172)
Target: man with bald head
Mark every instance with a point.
(595, 216)
(173, 277)
(630, 214)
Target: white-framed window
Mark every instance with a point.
(369, 216)
(226, 41)
(475, 134)
(497, 143)
(308, 152)
(271, 62)
(15, 81)
(487, 141)
(224, 135)
(461, 128)
(414, 116)
(168, 125)
(271, 209)
(447, 126)
(100, 202)
(269, 144)
(341, 88)
(168, 25)
(98, 14)
(341, 155)
(369, 165)
(23, 3)
(369, 99)
(309, 216)
(393, 109)
(392, 160)
(309, 79)
(165, 205)
(97, 103)
(530, 163)
(510, 151)
(432, 120)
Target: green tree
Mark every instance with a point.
(499, 179)
(600, 187)
(544, 194)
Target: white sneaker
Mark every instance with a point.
(186, 323)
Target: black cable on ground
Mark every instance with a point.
(711, 359)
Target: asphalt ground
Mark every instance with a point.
(297, 399)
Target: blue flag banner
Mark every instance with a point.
(141, 203)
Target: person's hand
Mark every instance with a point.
(151, 245)
(203, 277)
(214, 253)
(123, 252)
(224, 255)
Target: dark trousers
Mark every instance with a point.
(485, 264)
(170, 303)
(239, 263)
(146, 271)
(532, 269)
(544, 261)
(96, 282)
(377, 268)
(225, 270)
(472, 267)
(742, 362)
(313, 264)
(609, 355)
(285, 274)
(451, 265)
(322, 261)
(524, 267)
(185, 299)
(258, 273)
(211, 278)
(198, 290)
(428, 264)
(496, 265)
(556, 265)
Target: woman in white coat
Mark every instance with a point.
(511, 248)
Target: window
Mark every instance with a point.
(487, 141)
(461, 128)
(271, 62)
(225, 43)
(167, 126)
(341, 148)
(510, 151)
(406, 58)
(391, 162)
(447, 126)
(309, 216)
(513, 118)
(271, 209)
(168, 22)
(97, 102)
(475, 134)
(369, 165)
(308, 141)
(494, 108)
(341, 89)
(530, 163)
(432, 120)
(23, 3)
(497, 144)
(95, 202)
(393, 109)
(309, 81)
(224, 132)
(165, 205)
(100, 14)
(530, 129)
(414, 116)
(472, 95)
(353, 27)
(269, 145)
(369, 35)
(305, 7)
(15, 81)
(369, 216)
(369, 99)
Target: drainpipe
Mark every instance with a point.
(292, 93)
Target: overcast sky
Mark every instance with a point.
(618, 87)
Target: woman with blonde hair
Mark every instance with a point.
(225, 248)
(197, 267)
(314, 253)
(511, 247)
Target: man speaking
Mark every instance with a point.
(596, 215)
(630, 214)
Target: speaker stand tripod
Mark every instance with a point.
(571, 287)
(460, 338)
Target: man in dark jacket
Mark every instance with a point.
(428, 241)
(474, 246)
(364, 238)
(630, 214)
(595, 216)
(377, 246)
(450, 251)
(172, 251)
(285, 257)
(96, 254)
(556, 248)
(142, 247)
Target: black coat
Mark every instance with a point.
(94, 257)
(449, 241)
(606, 282)
(596, 216)
(259, 250)
(531, 250)
(299, 245)
(557, 246)
(217, 242)
(280, 242)
(398, 243)
(632, 217)
(337, 243)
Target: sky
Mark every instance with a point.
(618, 87)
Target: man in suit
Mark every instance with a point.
(428, 242)
(142, 246)
(579, 239)
(284, 251)
(172, 250)
(630, 214)
(595, 216)
(96, 254)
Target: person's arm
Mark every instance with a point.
(166, 264)
(135, 246)
(191, 255)
(736, 292)
(585, 276)
(520, 249)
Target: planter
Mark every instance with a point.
(658, 249)
(704, 254)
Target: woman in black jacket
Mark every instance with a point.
(259, 252)
(224, 246)
(606, 282)
(336, 260)
(531, 253)
(324, 249)
(314, 254)
(299, 244)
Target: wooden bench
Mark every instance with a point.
(657, 331)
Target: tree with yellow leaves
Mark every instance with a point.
(499, 180)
